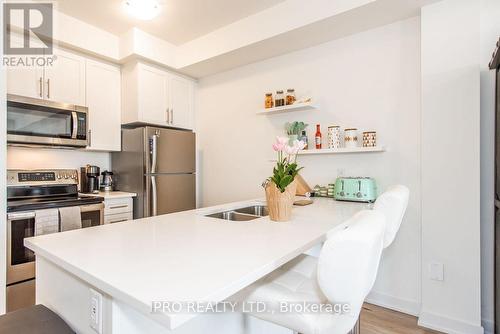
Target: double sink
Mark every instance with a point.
(243, 214)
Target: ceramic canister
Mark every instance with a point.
(351, 137)
(369, 139)
(333, 137)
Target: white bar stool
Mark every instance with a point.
(392, 203)
(344, 274)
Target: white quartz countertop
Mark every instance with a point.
(113, 194)
(186, 256)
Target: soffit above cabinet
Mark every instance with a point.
(286, 26)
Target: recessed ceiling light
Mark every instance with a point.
(143, 9)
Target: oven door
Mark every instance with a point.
(20, 260)
(92, 215)
(41, 122)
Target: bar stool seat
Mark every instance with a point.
(343, 274)
(37, 319)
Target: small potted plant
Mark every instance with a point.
(281, 187)
(294, 130)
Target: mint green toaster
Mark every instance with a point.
(356, 189)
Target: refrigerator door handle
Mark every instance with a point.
(154, 151)
(154, 196)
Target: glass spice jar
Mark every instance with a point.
(279, 100)
(269, 102)
(290, 96)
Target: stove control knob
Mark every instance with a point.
(359, 195)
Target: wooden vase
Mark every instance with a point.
(280, 203)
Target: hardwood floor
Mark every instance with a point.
(378, 320)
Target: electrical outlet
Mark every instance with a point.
(95, 312)
(436, 271)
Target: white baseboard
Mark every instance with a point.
(411, 307)
(447, 325)
(488, 326)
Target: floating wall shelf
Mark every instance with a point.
(289, 108)
(343, 150)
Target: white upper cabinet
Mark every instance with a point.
(151, 95)
(65, 79)
(25, 81)
(181, 102)
(104, 106)
(79, 80)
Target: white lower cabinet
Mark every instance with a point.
(118, 209)
(119, 217)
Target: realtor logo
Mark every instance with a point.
(36, 22)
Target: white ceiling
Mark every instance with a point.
(179, 21)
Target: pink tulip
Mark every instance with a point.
(282, 140)
(278, 147)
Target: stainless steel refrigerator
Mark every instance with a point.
(495, 65)
(160, 166)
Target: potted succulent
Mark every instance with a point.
(294, 130)
(281, 186)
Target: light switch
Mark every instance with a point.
(436, 271)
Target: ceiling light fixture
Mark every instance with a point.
(143, 9)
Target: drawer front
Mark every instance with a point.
(118, 205)
(119, 217)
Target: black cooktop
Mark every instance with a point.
(16, 205)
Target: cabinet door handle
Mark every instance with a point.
(48, 88)
(40, 84)
(117, 221)
(119, 206)
(168, 116)
(172, 115)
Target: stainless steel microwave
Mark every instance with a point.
(40, 122)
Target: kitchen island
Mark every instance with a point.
(185, 257)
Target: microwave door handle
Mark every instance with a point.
(75, 125)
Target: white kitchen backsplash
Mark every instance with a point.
(39, 158)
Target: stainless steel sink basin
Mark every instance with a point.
(243, 214)
(255, 210)
(233, 216)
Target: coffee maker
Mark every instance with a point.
(89, 179)
(107, 183)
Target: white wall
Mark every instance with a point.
(451, 166)
(490, 32)
(370, 80)
(40, 158)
